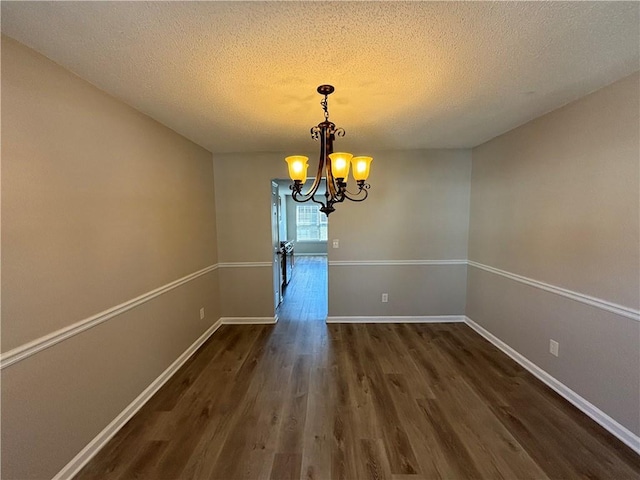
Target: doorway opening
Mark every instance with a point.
(300, 270)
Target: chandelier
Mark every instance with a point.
(333, 167)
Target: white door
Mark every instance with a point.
(275, 241)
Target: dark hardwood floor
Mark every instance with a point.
(306, 400)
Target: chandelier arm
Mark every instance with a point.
(332, 187)
(317, 131)
(361, 195)
(298, 195)
(348, 196)
(300, 198)
(320, 202)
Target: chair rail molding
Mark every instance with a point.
(31, 348)
(621, 310)
(244, 264)
(374, 263)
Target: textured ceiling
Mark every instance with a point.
(241, 76)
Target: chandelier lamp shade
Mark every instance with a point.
(333, 168)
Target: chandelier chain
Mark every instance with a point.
(325, 107)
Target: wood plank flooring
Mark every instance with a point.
(306, 400)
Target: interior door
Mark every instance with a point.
(275, 240)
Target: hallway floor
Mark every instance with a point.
(305, 298)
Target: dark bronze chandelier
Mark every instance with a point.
(334, 167)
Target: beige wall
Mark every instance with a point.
(413, 290)
(418, 210)
(243, 201)
(557, 201)
(100, 204)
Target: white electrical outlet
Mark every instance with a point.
(554, 347)
(202, 313)
(336, 244)
(385, 297)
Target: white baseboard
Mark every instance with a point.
(397, 319)
(249, 320)
(93, 447)
(622, 433)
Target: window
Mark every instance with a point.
(311, 223)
